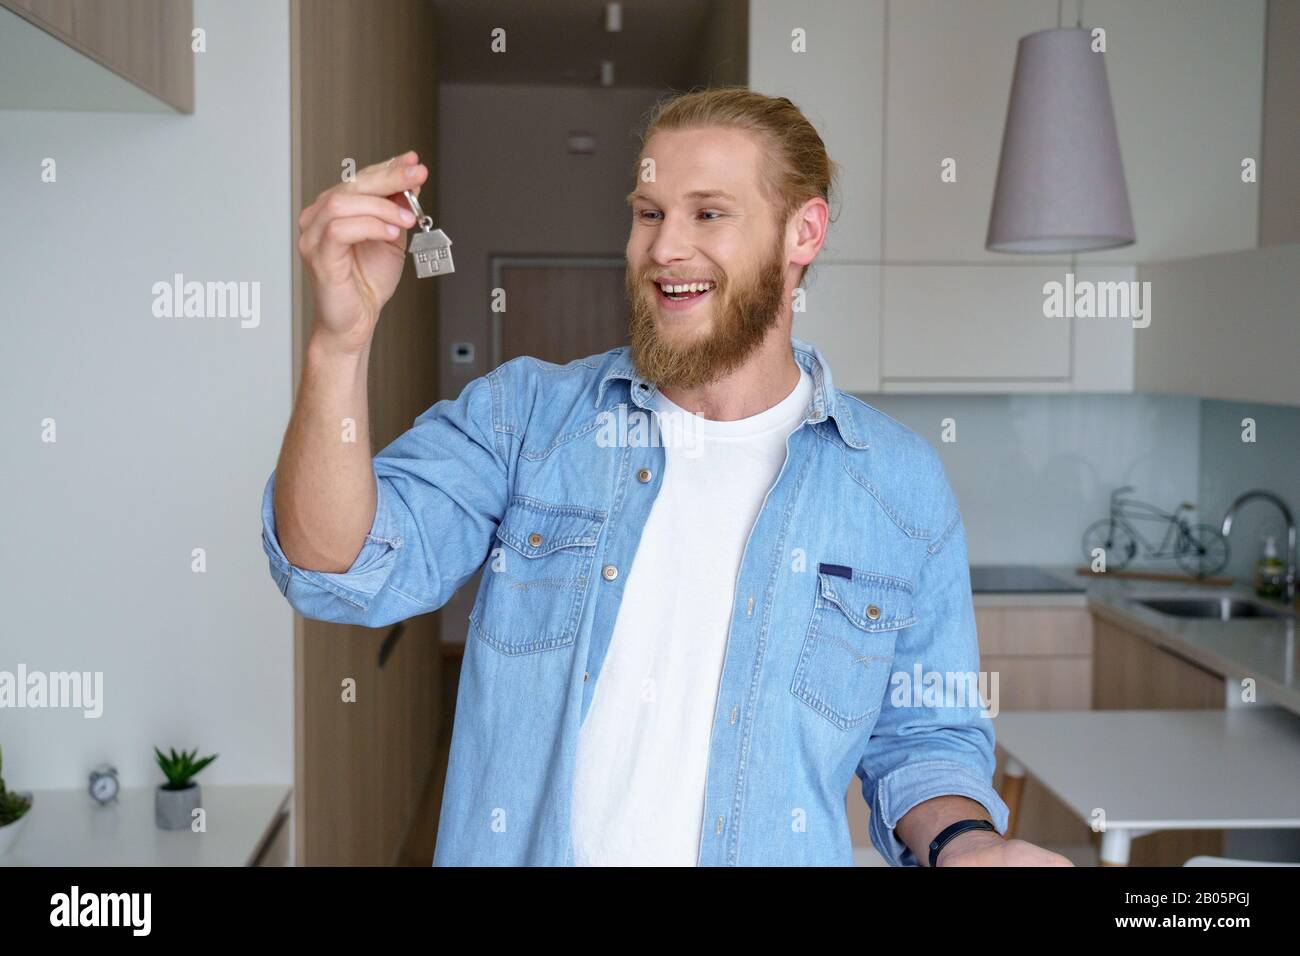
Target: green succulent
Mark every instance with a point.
(12, 805)
(179, 768)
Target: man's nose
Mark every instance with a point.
(670, 243)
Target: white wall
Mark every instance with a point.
(166, 428)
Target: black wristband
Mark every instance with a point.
(961, 826)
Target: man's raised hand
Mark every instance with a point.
(352, 240)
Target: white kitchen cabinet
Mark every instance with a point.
(897, 86)
(981, 328)
(1186, 79)
(971, 327)
(949, 78)
(842, 318)
(1102, 357)
(1224, 326)
(986, 331)
(838, 84)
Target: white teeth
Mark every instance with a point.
(689, 287)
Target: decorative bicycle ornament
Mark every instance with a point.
(1201, 550)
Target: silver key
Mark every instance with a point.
(430, 248)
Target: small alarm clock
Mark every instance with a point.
(103, 784)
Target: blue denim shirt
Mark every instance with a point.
(855, 572)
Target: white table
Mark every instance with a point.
(1151, 770)
(68, 828)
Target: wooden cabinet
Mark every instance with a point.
(1132, 673)
(364, 762)
(147, 42)
(361, 767)
(1042, 657)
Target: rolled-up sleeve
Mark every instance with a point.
(441, 491)
(916, 752)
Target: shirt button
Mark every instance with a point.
(610, 572)
(873, 612)
(534, 539)
(584, 675)
(644, 475)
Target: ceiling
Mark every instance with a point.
(561, 42)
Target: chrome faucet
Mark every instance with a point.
(1290, 533)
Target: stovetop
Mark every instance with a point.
(1019, 578)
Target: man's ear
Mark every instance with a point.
(807, 230)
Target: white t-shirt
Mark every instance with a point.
(643, 749)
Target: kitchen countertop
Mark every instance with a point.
(1261, 648)
(1256, 647)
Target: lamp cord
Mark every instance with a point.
(1060, 13)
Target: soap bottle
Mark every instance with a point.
(1270, 572)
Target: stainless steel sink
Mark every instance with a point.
(1222, 608)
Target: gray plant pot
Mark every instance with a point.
(173, 809)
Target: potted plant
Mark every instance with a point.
(176, 800)
(13, 811)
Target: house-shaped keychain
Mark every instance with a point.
(430, 247)
(432, 252)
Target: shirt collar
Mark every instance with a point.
(826, 402)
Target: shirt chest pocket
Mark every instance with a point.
(848, 650)
(535, 581)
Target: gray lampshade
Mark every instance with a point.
(1060, 180)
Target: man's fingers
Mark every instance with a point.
(384, 180)
(382, 184)
(345, 205)
(402, 159)
(338, 235)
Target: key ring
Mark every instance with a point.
(425, 222)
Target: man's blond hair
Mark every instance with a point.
(796, 167)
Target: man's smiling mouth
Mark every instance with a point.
(684, 291)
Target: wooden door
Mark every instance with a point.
(558, 312)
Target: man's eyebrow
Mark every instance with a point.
(694, 194)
